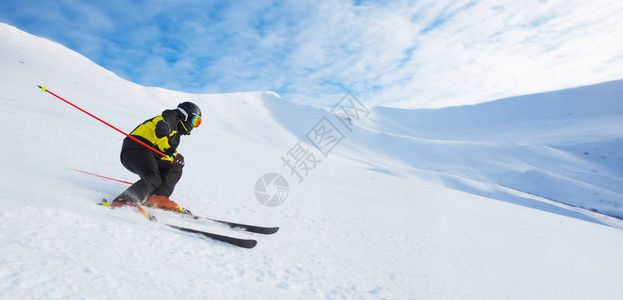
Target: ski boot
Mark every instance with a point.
(165, 203)
(120, 202)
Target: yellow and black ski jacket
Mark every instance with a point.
(161, 132)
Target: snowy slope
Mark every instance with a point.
(385, 215)
(563, 145)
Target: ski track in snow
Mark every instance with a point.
(423, 204)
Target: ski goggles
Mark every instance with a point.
(195, 121)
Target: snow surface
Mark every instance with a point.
(490, 201)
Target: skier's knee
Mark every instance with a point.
(153, 180)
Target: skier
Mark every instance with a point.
(159, 174)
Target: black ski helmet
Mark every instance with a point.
(190, 115)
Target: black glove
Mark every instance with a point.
(178, 161)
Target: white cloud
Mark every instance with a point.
(406, 53)
(493, 50)
(453, 52)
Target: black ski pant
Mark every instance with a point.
(158, 177)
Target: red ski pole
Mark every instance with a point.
(44, 89)
(100, 176)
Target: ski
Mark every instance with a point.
(246, 227)
(244, 243)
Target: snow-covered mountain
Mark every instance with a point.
(406, 204)
(563, 145)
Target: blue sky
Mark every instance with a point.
(400, 53)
